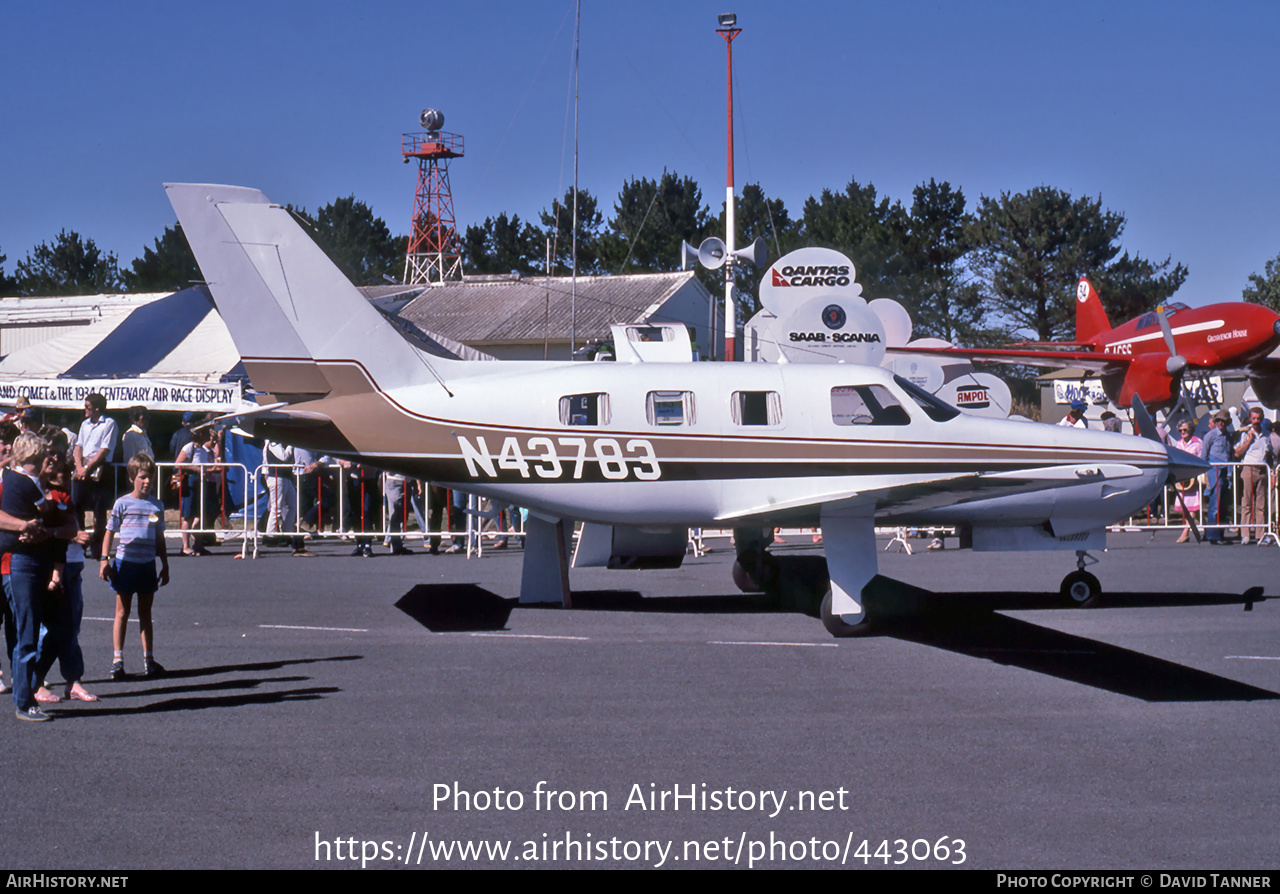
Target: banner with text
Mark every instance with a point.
(154, 394)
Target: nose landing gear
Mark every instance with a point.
(1080, 589)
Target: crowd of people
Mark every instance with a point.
(62, 506)
(308, 493)
(1226, 441)
(1255, 445)
(50, 477)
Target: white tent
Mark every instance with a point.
(169, 354)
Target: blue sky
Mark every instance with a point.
(1165, 110)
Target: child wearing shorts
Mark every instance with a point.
(136, 528)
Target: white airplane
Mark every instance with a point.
(652, 448)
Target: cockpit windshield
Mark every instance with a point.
(937, 409)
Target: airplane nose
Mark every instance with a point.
(1184, 466)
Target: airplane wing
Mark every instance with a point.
(945, 490)
(1090, 360)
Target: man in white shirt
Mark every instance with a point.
(92, 486)
(282, 494)
(1252, 451)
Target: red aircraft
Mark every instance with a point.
(1146, 357)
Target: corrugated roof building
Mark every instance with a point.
(529, 318)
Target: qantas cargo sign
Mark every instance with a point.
(804, 273)
(829, 276)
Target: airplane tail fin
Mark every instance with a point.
(1091, 319)
(302, 329)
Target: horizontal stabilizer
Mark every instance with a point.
(277, 415)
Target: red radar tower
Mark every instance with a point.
(435, 251)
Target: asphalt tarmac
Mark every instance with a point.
(401, 712)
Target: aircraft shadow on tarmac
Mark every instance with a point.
(467, 608)
(985, 633)
(965, 623)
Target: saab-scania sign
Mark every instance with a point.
(835, 337)
(811, 275)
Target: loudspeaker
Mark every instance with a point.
(713, 253)
(756, 253)
(688, 254)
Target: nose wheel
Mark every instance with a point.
(1080, 589)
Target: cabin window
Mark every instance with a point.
(648, 333)
(585, 409)
(756, 408)
(866, 405)
(670, 408)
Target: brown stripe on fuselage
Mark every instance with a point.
(369, 422)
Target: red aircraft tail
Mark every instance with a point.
(1091, 319)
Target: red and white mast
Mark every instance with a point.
(729, 32)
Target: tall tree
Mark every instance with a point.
(1033, 246)
(71, 265)
(503, 245)
(942, 301)
(359, 244)
(759, 216)
(169, 267)
(557, 222)
(1131, 286)
(7, 286)
(651, 219)
(869, 229)
(1264, 290)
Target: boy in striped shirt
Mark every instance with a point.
(136, 528)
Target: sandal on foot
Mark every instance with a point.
(78, 693)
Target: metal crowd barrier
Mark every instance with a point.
(342, 511)
(215, 509)
(1169, 516)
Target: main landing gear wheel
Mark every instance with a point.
(1081, 589)
(844, 625)
(755, 572)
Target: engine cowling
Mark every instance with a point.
(1148, 378)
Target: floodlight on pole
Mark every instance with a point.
(729, 32)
